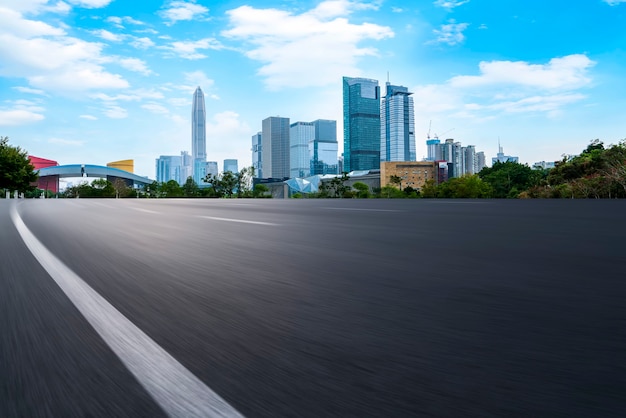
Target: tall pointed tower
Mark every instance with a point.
(198, 135)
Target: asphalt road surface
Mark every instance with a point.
(312, 308)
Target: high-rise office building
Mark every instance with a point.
(323, 148)
(231, 165)
(198, 134)
(257, 153)
(452, 153)
(361, 124)
(480, 162)
(397, 125)
(168, 167)
(211, 168)
(469, 157)
(434, 150)
(187, 166)
(275, 144)
(300, 134)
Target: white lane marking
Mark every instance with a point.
(144, 210)
(238, 220)
(366, 210)
(102, 204)
(171, 385)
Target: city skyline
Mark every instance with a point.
(92, 81)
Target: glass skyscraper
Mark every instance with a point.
(361, 124)
(275, 145)
(397, 125)
(198, 134)
(169, 167)
(231, 165)
(300, 133)
(257, 154)
(323, 149)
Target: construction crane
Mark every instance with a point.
(429, 125)
(449, 130)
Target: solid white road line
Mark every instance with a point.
(238, 220)
(103, 205)
(172, 386)
(144, 210)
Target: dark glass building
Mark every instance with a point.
(361, 124)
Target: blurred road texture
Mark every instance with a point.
(319, 308)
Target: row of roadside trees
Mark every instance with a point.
(598, 172)
(224, 185)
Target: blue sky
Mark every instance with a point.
(94, 81)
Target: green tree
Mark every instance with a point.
(397, 180)
(598, 172)
(16, 171)
(223, 185)
(98, 188)
(509, 178)
(390, 192)
(429, 190)
(244, 182)
(260, 190)
(170, 189)
(190, 188)
(363, 190)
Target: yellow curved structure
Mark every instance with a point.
(126, 165)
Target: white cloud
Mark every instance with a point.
(227, 129)
(60, 7)
(182, 10)
(310, 49)
(450, 4)
(156, 108)
(83, 77)
(30, 91)
(17, 117)
(13, 23)
(61, 141)
(614, 2)
(108, 36)
(115, 112)
(397, 10)
(506, 87)
(136, 65)
(179, 102)
(90, 4)
(148, 30)
(195, 79)
(88, 117)
(26, 6)
(132, 96)
(545, 103)
(50, 60)
(335, 8)
(119, 21)
(562, 73)
(190, 49)
(483, 26)
(450, 33)
(142, 43)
